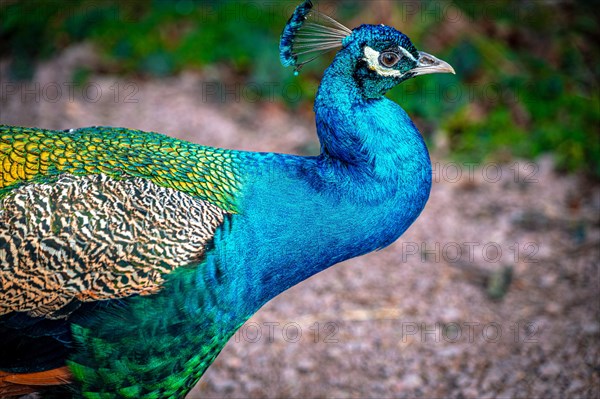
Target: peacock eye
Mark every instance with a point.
(389, 59)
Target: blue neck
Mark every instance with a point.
(366, 139)
(300, 215)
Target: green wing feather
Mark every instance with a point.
(38, 155)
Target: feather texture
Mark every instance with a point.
(37, 155)
(93, 237)
(16, 384)
(308, 34)
(131, 258)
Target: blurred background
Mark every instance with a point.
(493, 292)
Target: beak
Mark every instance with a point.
(427, 63)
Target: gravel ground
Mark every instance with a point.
(493, 292)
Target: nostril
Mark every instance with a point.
(426, 61)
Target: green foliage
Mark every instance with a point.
(526, 83)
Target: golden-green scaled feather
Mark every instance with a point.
(38, 155)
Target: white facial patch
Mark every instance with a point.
(407, 53)
(372, 58)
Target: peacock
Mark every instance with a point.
(128, 259)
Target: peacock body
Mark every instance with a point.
(128, 259)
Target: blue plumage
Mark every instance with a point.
(271, 221)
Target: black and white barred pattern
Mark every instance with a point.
(94, 237)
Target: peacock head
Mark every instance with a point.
(377, 57)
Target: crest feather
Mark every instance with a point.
(308, 34)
